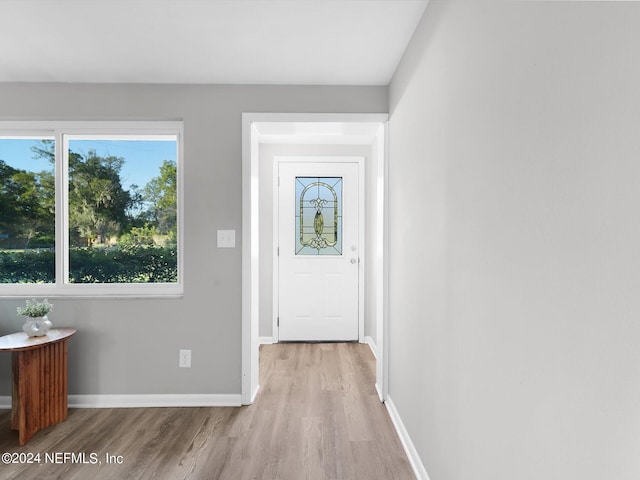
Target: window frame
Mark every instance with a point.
(62, 132)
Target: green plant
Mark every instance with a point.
(27, 266)
(129, 264)
(34, 308)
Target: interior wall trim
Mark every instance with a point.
(372, 345)
(143, 401)
(155, 400)
(409, 448)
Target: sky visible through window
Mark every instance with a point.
(18, 154)
(142, 158)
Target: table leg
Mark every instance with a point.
(39, 393)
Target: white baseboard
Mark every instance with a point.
(156, 400)
(379, 390)
(414, 459)
(255, 394)
(265, 340)
(372, 345)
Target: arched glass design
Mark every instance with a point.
(318, 216)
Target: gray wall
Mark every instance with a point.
(514, 239)
(267, 152)
(131, 346)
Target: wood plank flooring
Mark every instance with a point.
(317, 416)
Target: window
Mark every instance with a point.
(90, 208)
(318, 216)
(27, 212)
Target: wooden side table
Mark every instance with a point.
(39, 380)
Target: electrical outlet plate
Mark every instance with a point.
(185, 359)
(226, 239)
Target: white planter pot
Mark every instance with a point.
(36, 326)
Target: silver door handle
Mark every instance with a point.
(354, 261)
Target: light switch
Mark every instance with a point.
(226, 239)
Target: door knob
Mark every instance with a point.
(354, 261)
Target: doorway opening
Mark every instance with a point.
(266, 136)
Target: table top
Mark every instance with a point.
(21, 341)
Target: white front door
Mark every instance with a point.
(318, 259)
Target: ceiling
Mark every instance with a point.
(320, 42)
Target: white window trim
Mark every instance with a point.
(61, 131)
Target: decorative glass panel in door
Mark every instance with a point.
(318, 216)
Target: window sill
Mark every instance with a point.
(94, 291)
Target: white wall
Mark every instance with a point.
(131, 346)
(514, 239)
(267, 152)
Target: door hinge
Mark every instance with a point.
(278, 322)
(278, 181)
(277, 251)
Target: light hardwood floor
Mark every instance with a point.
(317, 416)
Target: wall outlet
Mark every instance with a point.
(226, 239)
(184, 360)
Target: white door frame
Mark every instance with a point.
(251, 136)
(361, 232)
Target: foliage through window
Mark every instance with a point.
(27, 212)
(117, 216)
